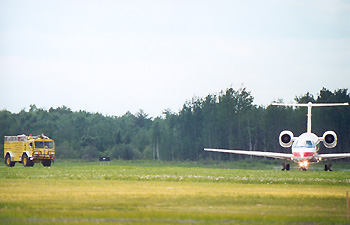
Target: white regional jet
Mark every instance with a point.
(304, 148)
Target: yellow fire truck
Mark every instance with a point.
(29, 150)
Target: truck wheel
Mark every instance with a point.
(26, 161)
(8, 161)
(46, 162)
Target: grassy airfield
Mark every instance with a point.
(167, 193)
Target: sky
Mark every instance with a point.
(117, 56)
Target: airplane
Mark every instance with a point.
(304, 148)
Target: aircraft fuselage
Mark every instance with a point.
(305, 149)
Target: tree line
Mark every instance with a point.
(228, 120)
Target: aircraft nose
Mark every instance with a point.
(298, 154)
(303, 154)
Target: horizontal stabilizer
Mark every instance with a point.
(310, 104)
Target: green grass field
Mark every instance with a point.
(169, 193)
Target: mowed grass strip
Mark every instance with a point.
(161, 172)
(85, 197)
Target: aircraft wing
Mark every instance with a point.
(334, 156)
(255, 153)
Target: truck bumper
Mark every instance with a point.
(41, 157)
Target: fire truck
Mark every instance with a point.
(29, 150)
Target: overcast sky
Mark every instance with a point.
(117, 56)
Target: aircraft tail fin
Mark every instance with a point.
(309, 107)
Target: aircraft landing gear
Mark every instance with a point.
(328, 167)
(285, 166)
(302, 168)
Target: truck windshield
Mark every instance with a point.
(44, 144)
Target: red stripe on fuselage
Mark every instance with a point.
(303, 154)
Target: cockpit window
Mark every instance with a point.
(308, 143)
(303, 144)
(296, 143)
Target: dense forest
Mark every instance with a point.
(228, 119)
